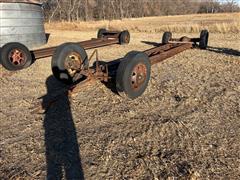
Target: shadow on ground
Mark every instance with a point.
(151, 43)
(112, 71)
(62, 149)
(225, 51)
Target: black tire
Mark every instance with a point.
(125, 84)
(124, 37)
(15, 56)
(203, 43)
(167, 36)
(101, 33)
(59, 62)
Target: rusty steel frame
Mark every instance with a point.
(157, 54)
(110, 38)
(184, 40)
(101, 72)
(166, 51)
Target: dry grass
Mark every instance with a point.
(185, 126)
(216, 23)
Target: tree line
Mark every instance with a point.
(75, 10)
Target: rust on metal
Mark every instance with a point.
(101, 71)
(184, 39)
(139, 76)
(168, 52)
(93, 43)
(73, 63)
(17, 57)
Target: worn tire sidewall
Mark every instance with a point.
(122, 37)
(5, 50)
(167, 36)
(58, 61)
(101, 32)
(204, 39)
(125, 73)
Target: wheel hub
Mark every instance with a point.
(17, 57)
(127, 38)
(139, 76)
(73, 64)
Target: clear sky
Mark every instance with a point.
(238, 1)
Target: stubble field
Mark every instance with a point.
(186, 125)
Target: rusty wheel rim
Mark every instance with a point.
(139, 76)
(73, 64)
(127, 38)
(17, 57)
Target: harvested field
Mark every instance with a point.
(186, 125)
(216, 23)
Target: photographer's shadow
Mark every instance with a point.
(62, 149)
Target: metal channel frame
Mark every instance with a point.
(110, 38)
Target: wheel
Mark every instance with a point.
(101, 33)
(167, 36)
(124, 37)
(203, 43)
(133, 75)
(15, 56)
(67, 62)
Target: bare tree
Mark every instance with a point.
(231, 6)
(72, 10)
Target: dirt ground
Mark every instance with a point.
(185, 126)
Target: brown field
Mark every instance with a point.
(216, 23)
(185, 126)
